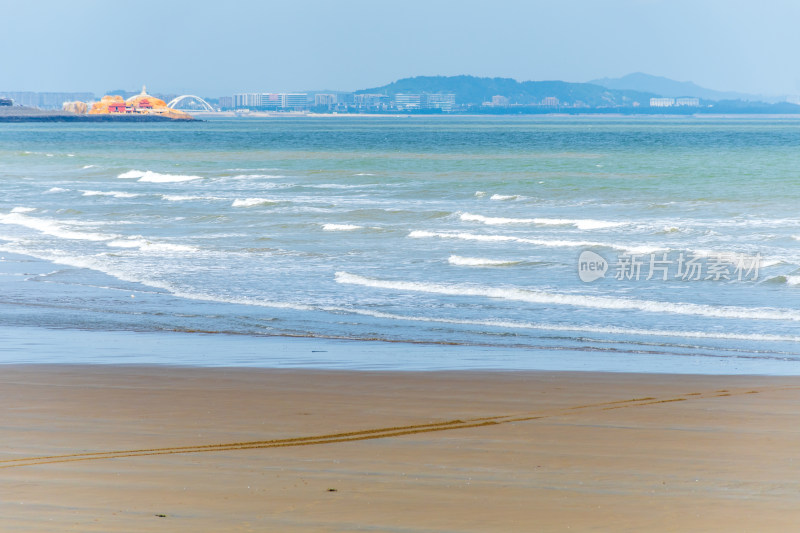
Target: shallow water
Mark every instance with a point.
(443, 230)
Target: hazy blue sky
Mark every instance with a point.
(218, 47)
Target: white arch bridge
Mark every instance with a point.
(173, 104)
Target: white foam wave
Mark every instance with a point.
(576, 300)
(478, 261)
(251, 202)
(766, 263)
(504, 197)
(643, 249)
(52, 227)
(340, 227)
(115, 194)
(364, 174)
(145, 245)
(184, 198)
(581, 329)
(579, 223)
(131, 175)
(23, 210)
(84, 167)
(56, 189)
(149, 176)
(480, 194)
(792, 280)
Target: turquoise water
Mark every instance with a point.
(442, 231)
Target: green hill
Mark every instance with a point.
(471, 90)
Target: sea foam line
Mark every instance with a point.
(579, 223)
(252, 202)
(478, 261)
(149, 176)
(577, 328)
(575, 300)
(340, 227)
(643, 249)
(53, 228)
(115, 194)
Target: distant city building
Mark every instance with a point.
(550, 101)
(322, 99)
(662, 102)
(370, 101)
(405, 101)
(265, 101)
(247, 100)
(294, 100)
(444, 101)
(499, 100)
(690, 102)
(46, 100)
(226, 102)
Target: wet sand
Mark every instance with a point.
(103, 448)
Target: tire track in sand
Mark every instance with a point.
(369, 434)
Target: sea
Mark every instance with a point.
(626, 244)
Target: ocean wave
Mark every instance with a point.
(23, 210)
(148, 176)
(252, 202)
(579, 223)
(185, 198)
(52, 228)
(255, 176)
(480, 194)
(84, 167)
(576, 300)
(611, 330)
(56, 189)
(478, 261)
(340, 227)
(144, 244)
(642, 249)
(504, 197)
(115, 194)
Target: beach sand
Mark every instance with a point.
(104, 448)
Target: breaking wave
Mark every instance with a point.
(576, 300)
(149, 176)
(579, 223)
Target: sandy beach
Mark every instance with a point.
(142, 448)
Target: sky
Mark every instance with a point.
(216, 48)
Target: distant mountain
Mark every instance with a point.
(639, 81)
(471, 90)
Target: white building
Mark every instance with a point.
(370, 100)
(294, 100)
(247, 100)
(408, 101)
(550, 101)
(325, 99)
(270, 101)
(662, 102)
(444, 101)
(690, 102)
(499, 100)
